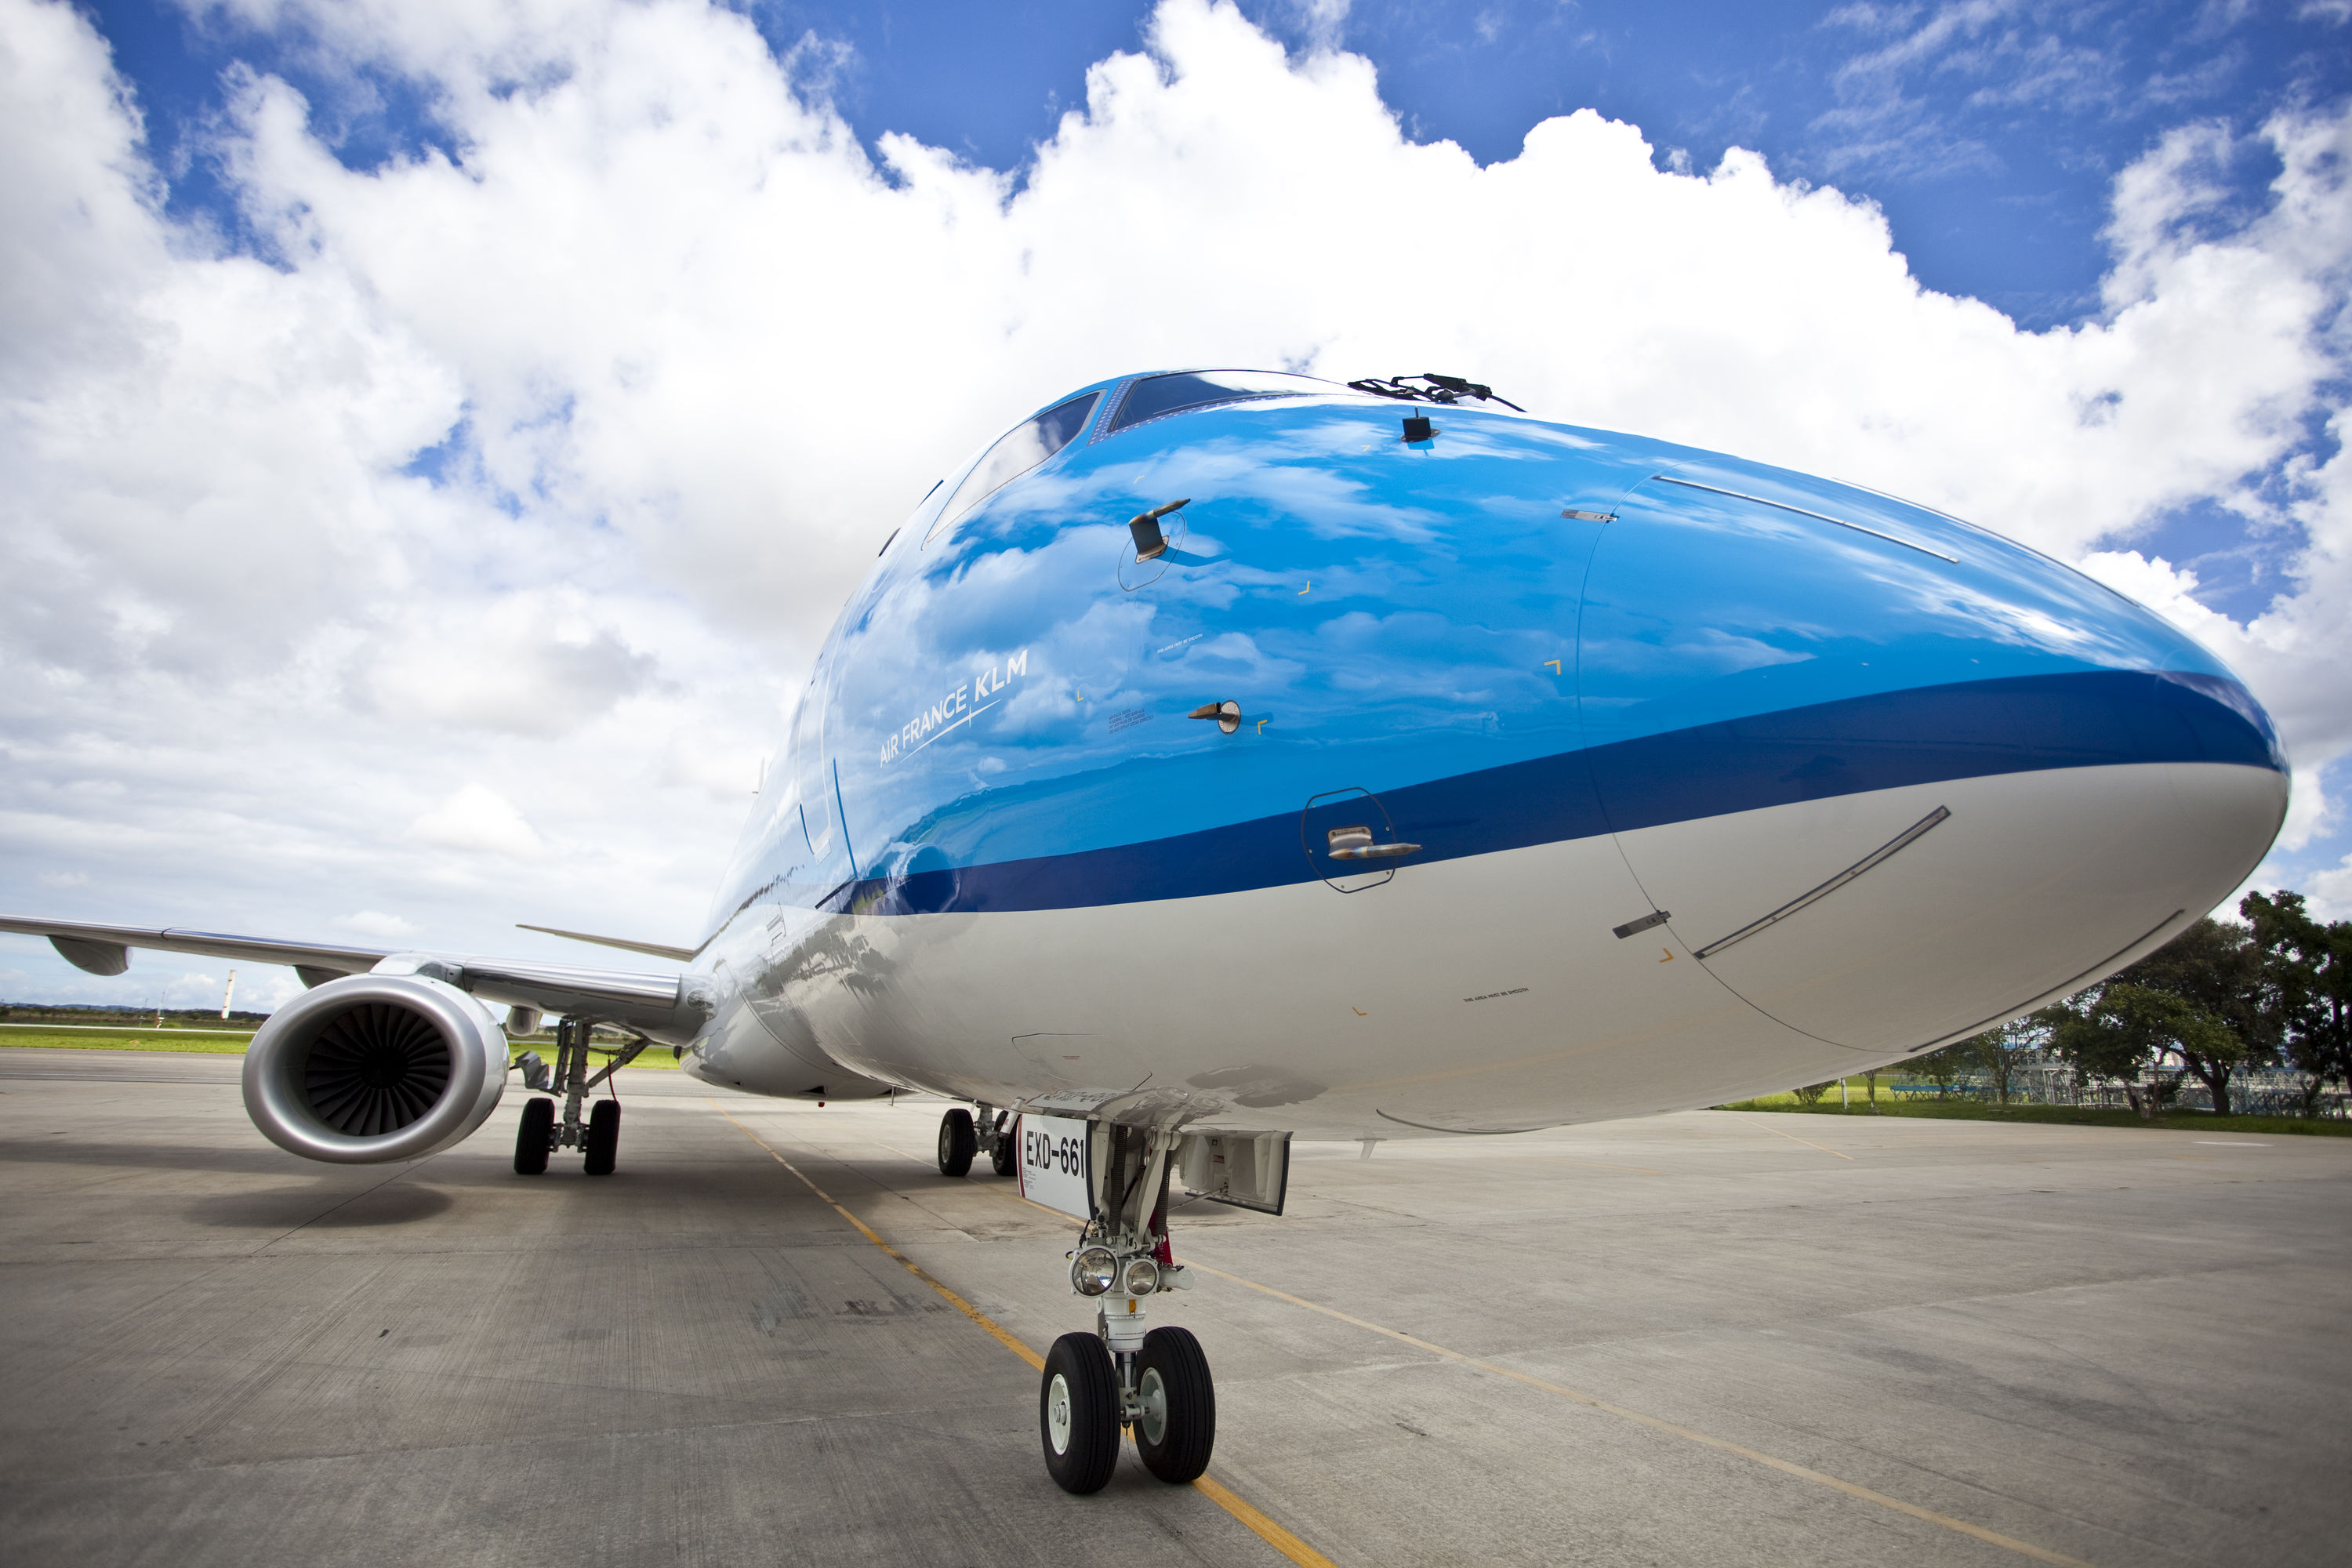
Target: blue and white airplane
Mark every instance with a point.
(1221, 755)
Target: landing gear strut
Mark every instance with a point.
(539, 1134)
(1123, 1374)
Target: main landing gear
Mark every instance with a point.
(962, 1138)
(540, 1136)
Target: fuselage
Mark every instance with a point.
(1722, 778)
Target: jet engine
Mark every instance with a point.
(375, 1067)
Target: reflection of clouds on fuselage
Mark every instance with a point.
(832, 954)
(1259, 483)
(1547, 659)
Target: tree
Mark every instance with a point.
(2229, 1016)
(1811, 1094)
(1943, 1068)
(2117, 1031)
(2310, 967)
(1995, 1053)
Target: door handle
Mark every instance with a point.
(1356, 844)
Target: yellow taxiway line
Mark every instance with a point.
(1272, 1534)
(1794, 1138)
(1299, 1552)
(1688, 1434)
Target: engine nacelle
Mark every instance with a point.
(375, 1067)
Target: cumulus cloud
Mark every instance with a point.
(483, 508)
(375, 923)
(480, 819)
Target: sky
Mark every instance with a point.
(434, 437)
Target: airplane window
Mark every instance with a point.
(1020, 450)
(1158, 394)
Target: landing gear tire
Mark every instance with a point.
(1178, 1423)
(958, 1142)
(1000, 1157)
(604, 1140)
(534, 1137)
(1077, 1413)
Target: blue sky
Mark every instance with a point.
(421, 448)
(1989, 133)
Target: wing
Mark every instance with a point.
(651, 949)
(668, 1007)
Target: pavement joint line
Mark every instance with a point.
(1657, 1424)
(1705, 1439)
(1265, 1528)
(1017, 1197)
(1794, 1138)
(1603, 1164)
(1004, 1335)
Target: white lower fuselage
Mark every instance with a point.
(1489, 993)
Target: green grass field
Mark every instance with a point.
(2063, 1115)
(218, 1043)
(129, 1039)
(232, 1044)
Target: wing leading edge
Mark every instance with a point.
(670, 1007)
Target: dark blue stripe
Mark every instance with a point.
(1924, 735)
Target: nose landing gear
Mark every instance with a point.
(1155, 1381)
(1175, 1406)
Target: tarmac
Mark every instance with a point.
(1711, 1338)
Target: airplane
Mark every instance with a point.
(1222, 756)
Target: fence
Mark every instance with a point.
(2041, 1081)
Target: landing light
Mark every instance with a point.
(1142, 1276)
(1094, 1271)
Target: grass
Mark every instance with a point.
(655, 1055)
(188, 1039)
(233, 1045)
(2061, 1115)
(129, 1039)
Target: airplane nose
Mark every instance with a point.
(1894, 779)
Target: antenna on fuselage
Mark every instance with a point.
(1149, 542)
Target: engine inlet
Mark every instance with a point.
(375, 1066)
(375, 1069)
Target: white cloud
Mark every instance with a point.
(685, 354)
(2330, 892)
(376, 923)
(479, 819)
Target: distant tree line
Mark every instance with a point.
(79, 1012)
(2223, 999)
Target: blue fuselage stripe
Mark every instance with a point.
(1883, 741)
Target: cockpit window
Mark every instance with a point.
(1158, 394)
(1021, 450)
